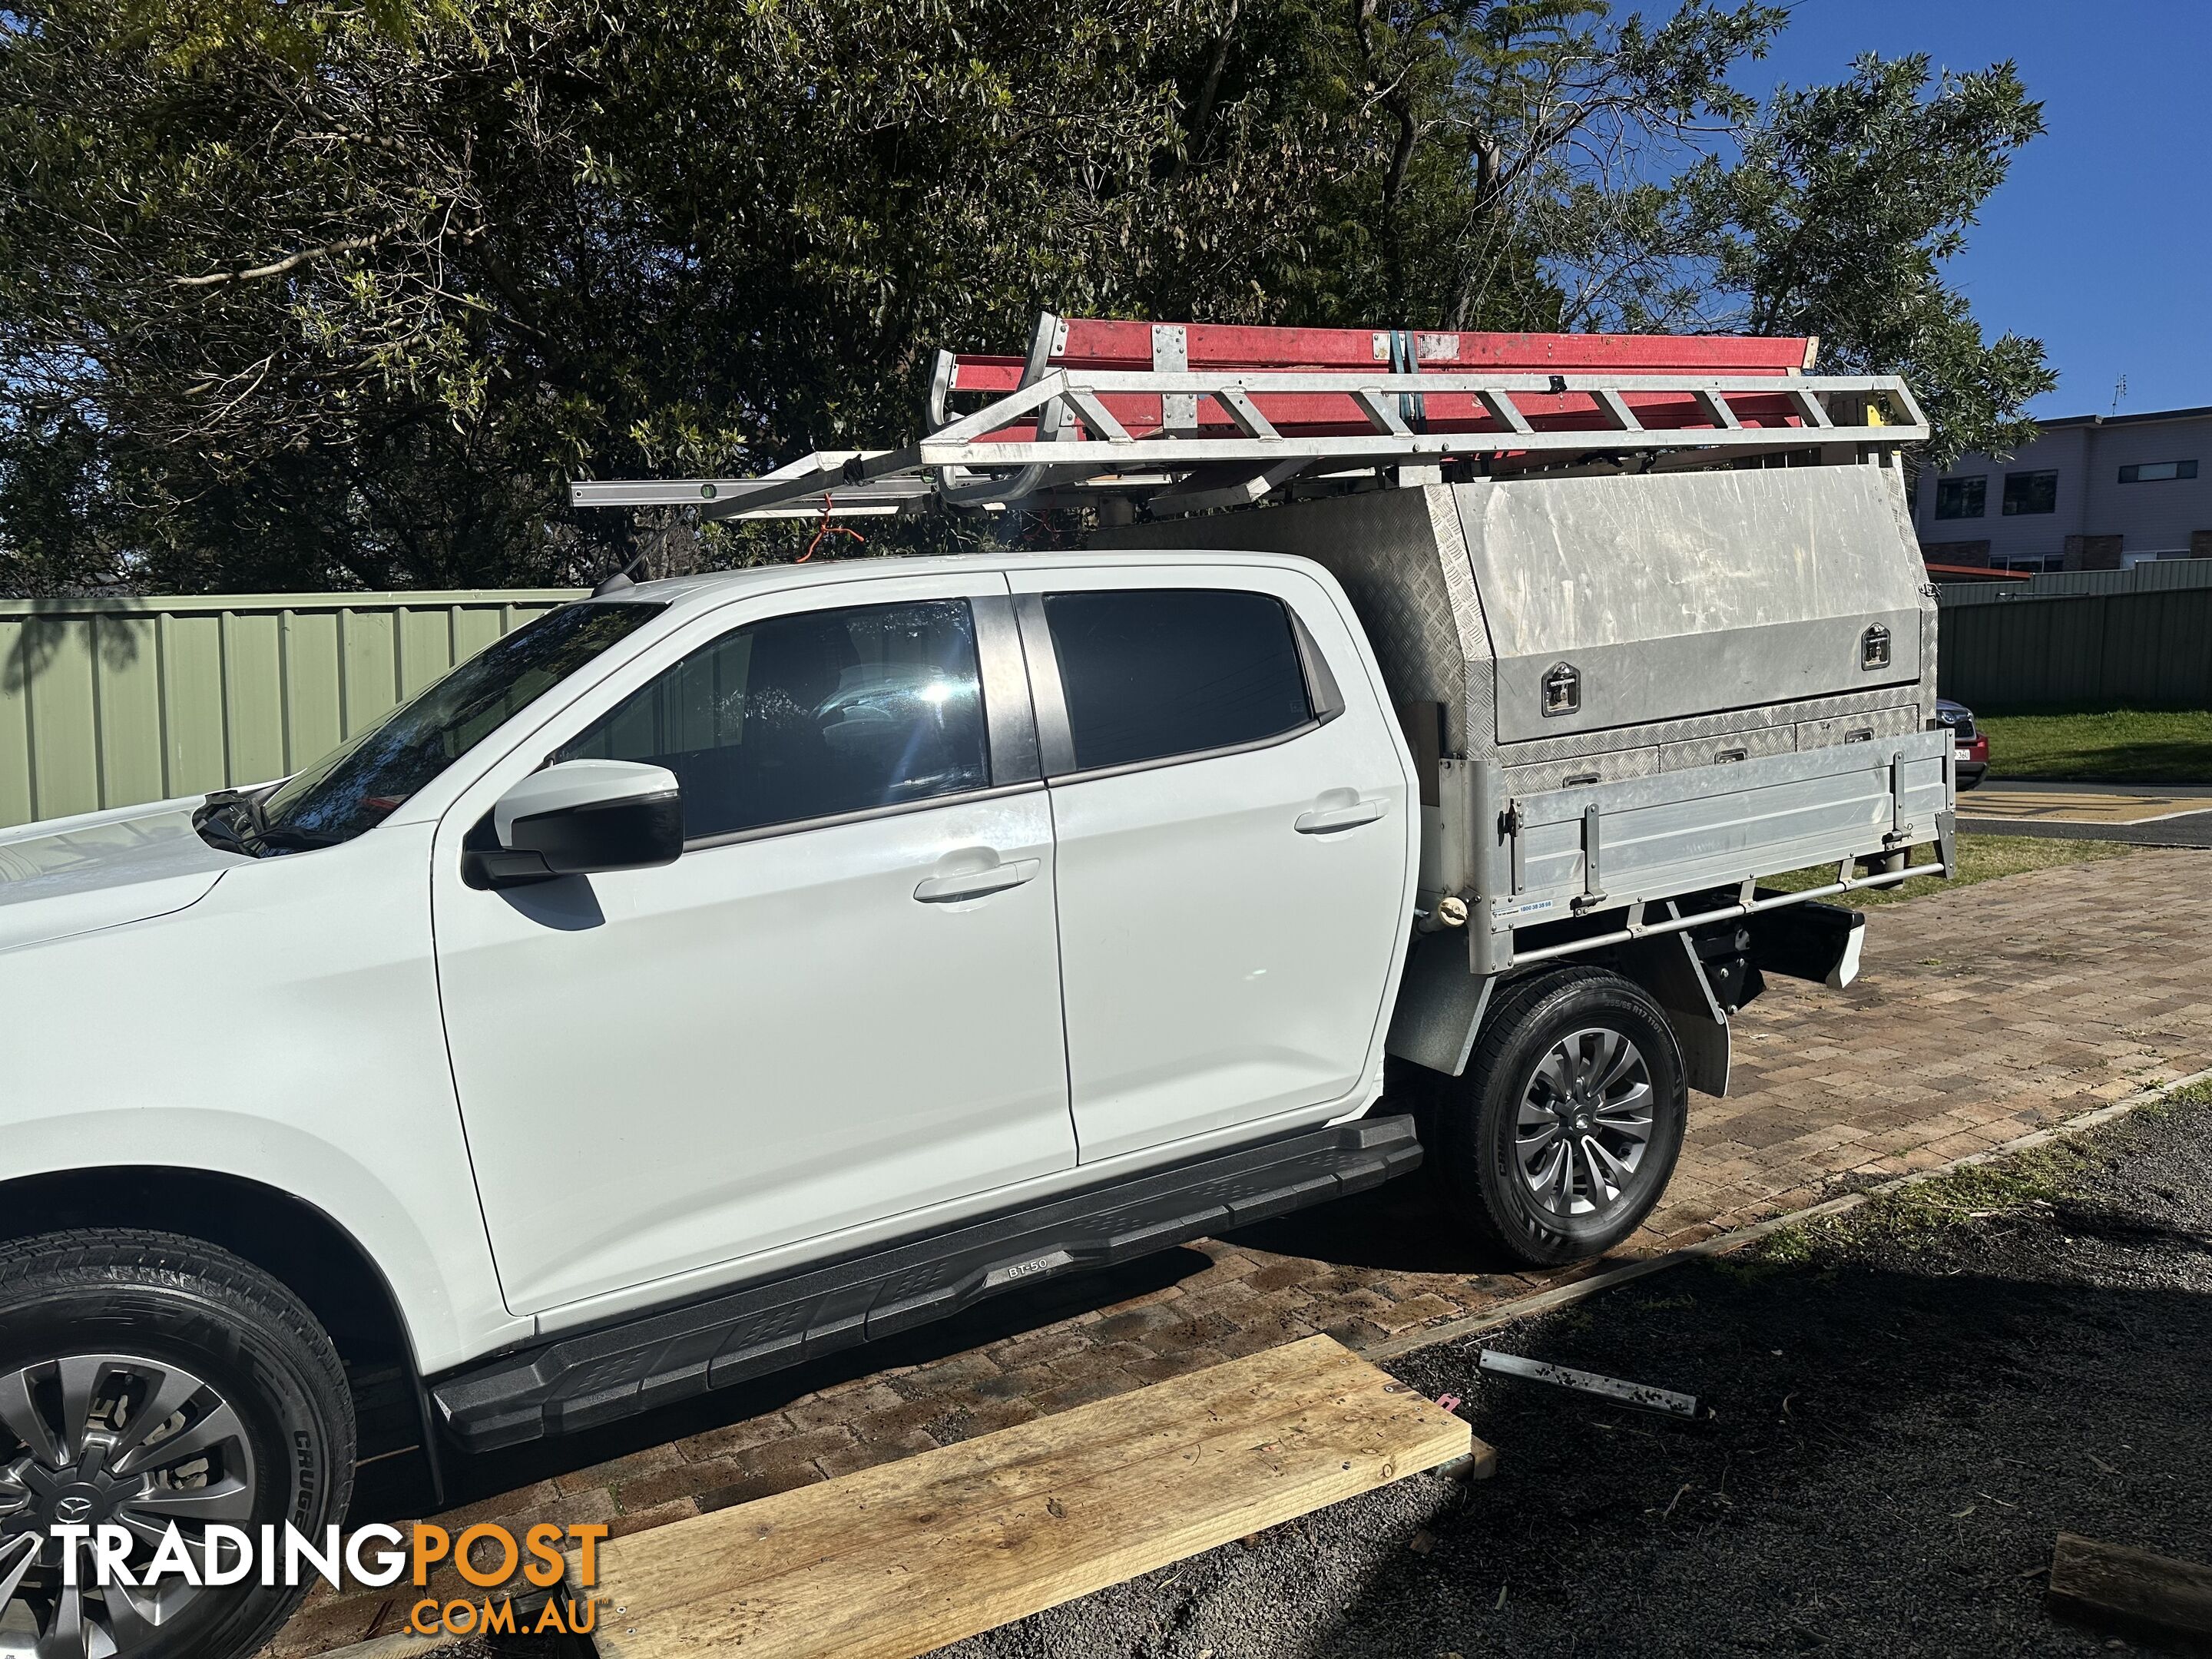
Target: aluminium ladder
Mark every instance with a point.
(1183, 418)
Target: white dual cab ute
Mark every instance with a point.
(718, 972)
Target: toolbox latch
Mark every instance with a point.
(1563, 689)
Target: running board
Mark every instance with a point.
(577, 1382)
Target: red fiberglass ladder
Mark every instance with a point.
(1182, 417)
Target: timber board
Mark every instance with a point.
(899, 1560)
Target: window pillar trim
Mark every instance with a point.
(1009, 714)
(1055, 735)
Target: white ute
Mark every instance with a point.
(720, 971)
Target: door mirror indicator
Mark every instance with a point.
(578, 818)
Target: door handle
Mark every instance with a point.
(974, 883)
(1329, 820)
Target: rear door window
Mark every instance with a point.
(813, 715)
(1151, 673)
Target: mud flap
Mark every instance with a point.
(1440, 1005)
(1817, 942)
(1666, 966)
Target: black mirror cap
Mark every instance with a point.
(638, 832)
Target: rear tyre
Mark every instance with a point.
(1563, 1134)
(148, 1379)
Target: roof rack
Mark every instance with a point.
(1224, 416)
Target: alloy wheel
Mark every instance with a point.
(1585, 1122)
(97, 1439)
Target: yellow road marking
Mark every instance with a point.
(2060, 805)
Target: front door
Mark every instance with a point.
(1234, 845)
(839, 1006)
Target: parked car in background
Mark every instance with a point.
(1974, 744)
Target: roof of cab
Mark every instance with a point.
(712, 589)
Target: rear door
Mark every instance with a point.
(1234, 844)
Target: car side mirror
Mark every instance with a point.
(578, 818)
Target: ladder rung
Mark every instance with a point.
(1244, 413)
(1381, 413)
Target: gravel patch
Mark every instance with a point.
(1911, 1403)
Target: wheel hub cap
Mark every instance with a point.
(93, 1439)
(1584, 1123)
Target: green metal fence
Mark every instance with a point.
(108, 702)
(2145, 649)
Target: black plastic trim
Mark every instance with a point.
(599, 1375)
(1323, 695)
(1801, 941)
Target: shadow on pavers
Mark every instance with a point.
(1401, 1226)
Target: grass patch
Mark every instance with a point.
(1981, 857)
(2117, 745)
(1916, 1215)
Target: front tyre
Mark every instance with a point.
(1563, 1134)
(147, 1379)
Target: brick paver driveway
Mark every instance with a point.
(1983, 1013)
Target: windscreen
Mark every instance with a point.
(354, 788)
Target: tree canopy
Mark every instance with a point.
(302, 295)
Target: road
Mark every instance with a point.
(2167, 816)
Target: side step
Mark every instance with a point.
(575, 1382)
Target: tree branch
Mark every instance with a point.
(293, 262)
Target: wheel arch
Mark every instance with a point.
(292, 1240)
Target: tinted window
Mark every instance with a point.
(1168, 671)
(353, 788)
(2031, 492)
(811, 715)
(1961, 498)
(2156, 471)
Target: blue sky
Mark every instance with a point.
(2100, 242)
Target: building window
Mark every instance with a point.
(1961, 498)
(2157, 472)
(2031, 492)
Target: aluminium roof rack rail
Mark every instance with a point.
(1224, 416)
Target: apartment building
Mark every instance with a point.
(2094, 492)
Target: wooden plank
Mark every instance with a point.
(902, 1558)
(2133, 1592)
